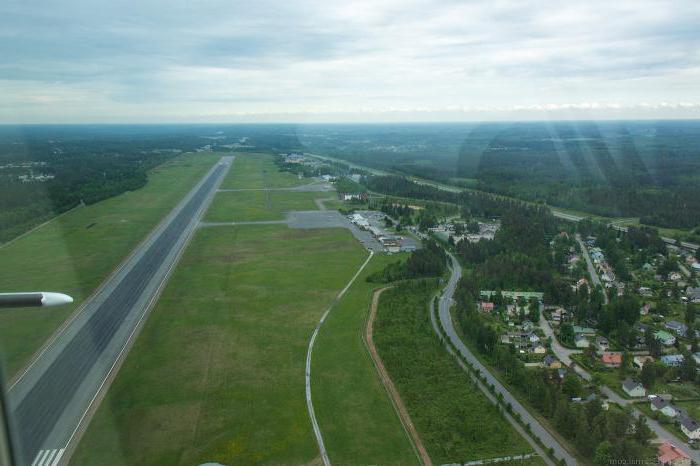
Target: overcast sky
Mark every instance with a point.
(350, 60)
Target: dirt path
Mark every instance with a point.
(389, 385)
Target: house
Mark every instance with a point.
(587, 331)
(361, 196)
(663, 406)
(527, 325)
(539, 349)
(559, 315)
(581, 342)
(644, 291)
(641, 328)
(611, 359)
(674, 276)
(561, 372)
(665, 338)
(672, 360)
(486, 306)
(639, 361)
(693, 294)
(668, 454)
(533, 338)
(550, 362)
(690, 427)
(680, 328)
(602, 343)
(633, 388)
(647, 266)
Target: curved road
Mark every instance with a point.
(444, 306)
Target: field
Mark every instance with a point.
(258, 171)
(218, 374)
(75, 252)
(246, 206)
(359, 423)
(441, 399)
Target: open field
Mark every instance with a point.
(256, 171)
(356, 416)
(247, 206)
(75, 252)
(217, 373)
(441, 399)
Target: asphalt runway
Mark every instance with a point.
(50, 400)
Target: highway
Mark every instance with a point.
(444, 306)
(52, 401)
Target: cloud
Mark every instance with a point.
(85, 61)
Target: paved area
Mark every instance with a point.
(444, 305)
(591, 269)
(316, 186)
(53, 398)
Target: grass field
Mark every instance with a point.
(218, 374)
(247, 206)
(256, 171)
(455, 420)
(357, 418)
(75, 252)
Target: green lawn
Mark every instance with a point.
(255, 171)
(217, 373)
(246, 206)
(456, 421)
(75, 252)
(357, 418)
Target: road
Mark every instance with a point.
(52, 401)
(563, 353)
(444, 306)
(591, 269)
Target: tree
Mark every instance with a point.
(642, 432)
(648, 375)
(566, 332)
(572, 385)
(603, 454)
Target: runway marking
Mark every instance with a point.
(48, 457)
(309, 403)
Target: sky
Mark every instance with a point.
(147, 61)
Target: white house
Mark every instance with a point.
(633, 388)
(663, 406)
(690, 427)
(581, 342)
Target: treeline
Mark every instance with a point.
(43, 178)
(601, 435)
(429, 261)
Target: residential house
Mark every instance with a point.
(633, 388)
(611, 359)
(559, 315)
(693, 294)
(639, 361)
(690, 427)
(641, 328)
(485, 306)
(645, 291)
(533, 338)
(663, 406)
(586, 331)
(550, 362)
(527, 325)
(602, 343)
(539, 349)
(680, 328)
(665, 338)
(668, 454)
(672, 360)
(581, 341)
(675, 276)
(644, 310)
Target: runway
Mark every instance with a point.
(52, 399)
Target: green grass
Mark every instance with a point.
(217, 373)
(247, 206)
(456, 421)
(356, 416)
(256, 171)
(75, 252)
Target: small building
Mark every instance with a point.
(611, 359)
(680, 328)
(645, 291)
(672, 360)
(539, 349)
(658, 404)
(587, 331)
(690, 427)
(668, 454)
(559, 315)
(533, 338)
(674, 276)
(581, 341)
(602, 343)
(665, 338)
(485, 306)
(550, 362)
(633, 388)
(639, 361)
